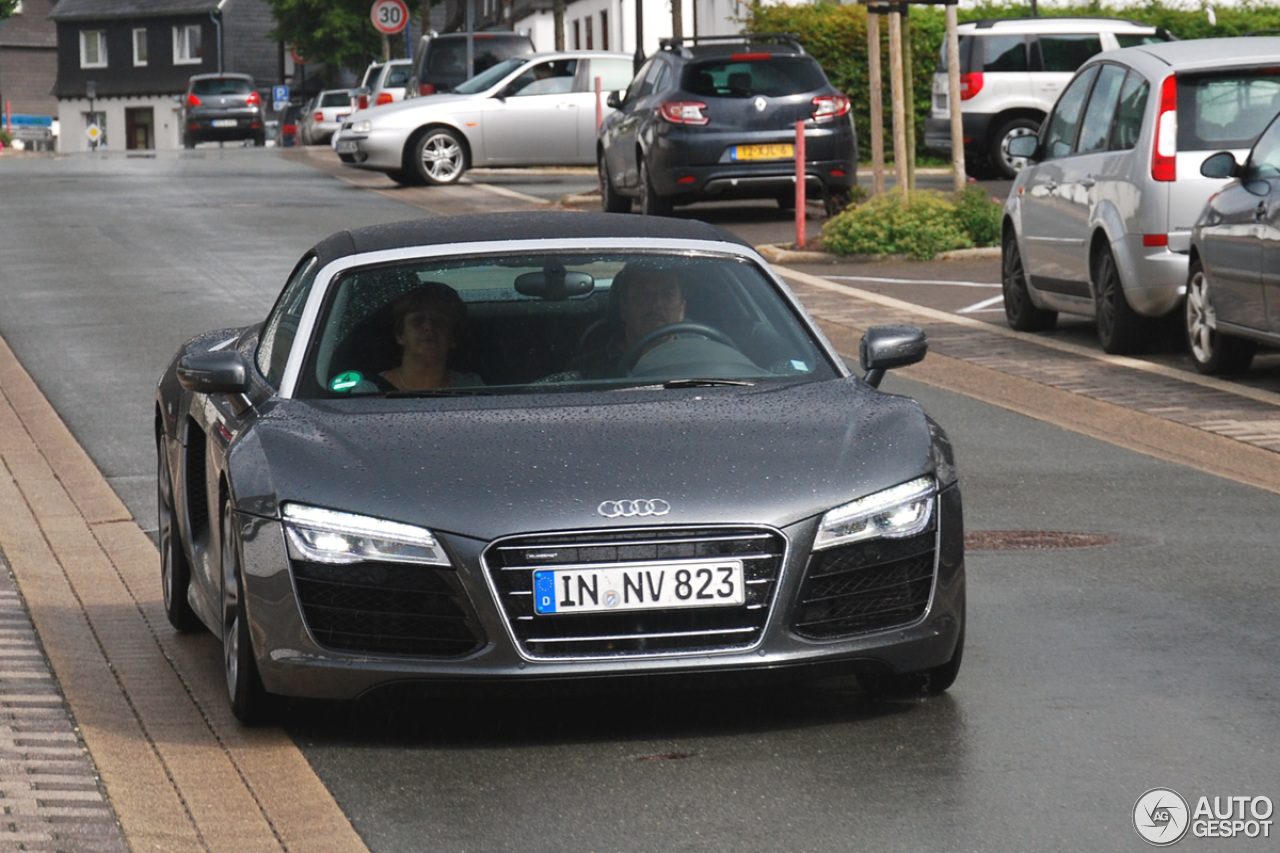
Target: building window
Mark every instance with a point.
(140, 46)
(93, 49)
(590, 29)
(604, 30)
(577, 34)
(186, 45)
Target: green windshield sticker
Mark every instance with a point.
(346, 381)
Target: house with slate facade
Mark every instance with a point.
(28, 59)
(120, 64)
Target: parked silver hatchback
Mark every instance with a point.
(1099, 222)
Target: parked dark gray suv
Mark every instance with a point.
(715, 117)
(222, 107)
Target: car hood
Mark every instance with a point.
(412, 110)
(498, 465)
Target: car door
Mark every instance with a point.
(614, 74)
(1052, 198)
(1262, 184)
(621, 135)
(533, 120)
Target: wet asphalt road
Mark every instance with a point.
(1091, 674)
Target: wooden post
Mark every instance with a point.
(909, 95)
(876, 101)
(953, 97)
(899, 108)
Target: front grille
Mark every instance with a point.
(512, 562)
(387, 608)
(866, 586)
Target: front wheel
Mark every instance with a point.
(249, 699)
(1019, 311)
(1121, 330)
(440, 157)
(929, 682)
(1211, 351)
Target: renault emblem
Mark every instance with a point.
(761, 103)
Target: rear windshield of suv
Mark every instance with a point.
(1226, 110)
(449, 57)
(774, 76)
(221, 86)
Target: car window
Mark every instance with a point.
(370, 74)
(336, 99)
(278, 332)
(489, 77)
(397, 75)
(1099, 115)
(1136, 40)
(222, 86)
(1129, 112)
(1066, 52)
(523, 323)
(771, 76)
(614, 74)
(545, 78)
(1003, 53)
(1264, 160)
(644, 81)
(1060, 133)
(1226, 110)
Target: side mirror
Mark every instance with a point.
(614, 100)
(223, 372)
(886, 347)
(1024, 146)
(1220, 165)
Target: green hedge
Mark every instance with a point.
(837, 36)
(930, 222)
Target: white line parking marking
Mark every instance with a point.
(984, 305)
(981, 284)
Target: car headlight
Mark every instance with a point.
(361, 126)
(325, 536)
(895, 513)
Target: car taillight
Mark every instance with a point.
(383, 98)
(827, 107)
(193, 101)
(970, 85)
(426, 89)
(318, 117)
(749, 57)
(362, 102)
(684, 112)
(1164, 159)
(253, 100)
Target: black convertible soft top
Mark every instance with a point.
(534, 225)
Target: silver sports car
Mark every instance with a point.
(552, 446)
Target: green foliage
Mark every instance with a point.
(335, 33)
(6, 137)
(7, 7)
(926, 225)
(837, 36)
(979, 215)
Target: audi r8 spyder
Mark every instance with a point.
(643, 460)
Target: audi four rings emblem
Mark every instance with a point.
(633, 509)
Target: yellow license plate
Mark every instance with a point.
(779, 151)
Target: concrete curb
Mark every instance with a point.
(781, 254)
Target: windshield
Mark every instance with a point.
(557, 323)
(486, 79)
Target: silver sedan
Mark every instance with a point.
(538, 110)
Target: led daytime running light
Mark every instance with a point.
(327, 536)
(894, 513)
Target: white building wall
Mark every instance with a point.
(72, 116)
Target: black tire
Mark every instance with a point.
(1211, 351)
(250, 701)
(787, 201)
(834, 201)
(1121, 330)
(1003, 165)
(260, 140)
(929, 682)
(651, 204)
(439, 157)
(175, 571)
(188, 141)
(1020, 312)
(610, 199)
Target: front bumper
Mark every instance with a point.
(482, 642)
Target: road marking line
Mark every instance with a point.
(938, 281)
(983, 306)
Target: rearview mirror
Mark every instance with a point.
(1024, 146)
(1220, 165)
(886, 347)
(554, 285)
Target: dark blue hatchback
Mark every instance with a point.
(715, 118)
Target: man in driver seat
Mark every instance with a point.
(646, 297)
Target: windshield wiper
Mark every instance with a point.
(707, 383)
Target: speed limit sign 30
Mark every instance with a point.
(389, 16)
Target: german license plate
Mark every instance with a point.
(638, 586)
(224, 122)
(777, 151)
(348, 146)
